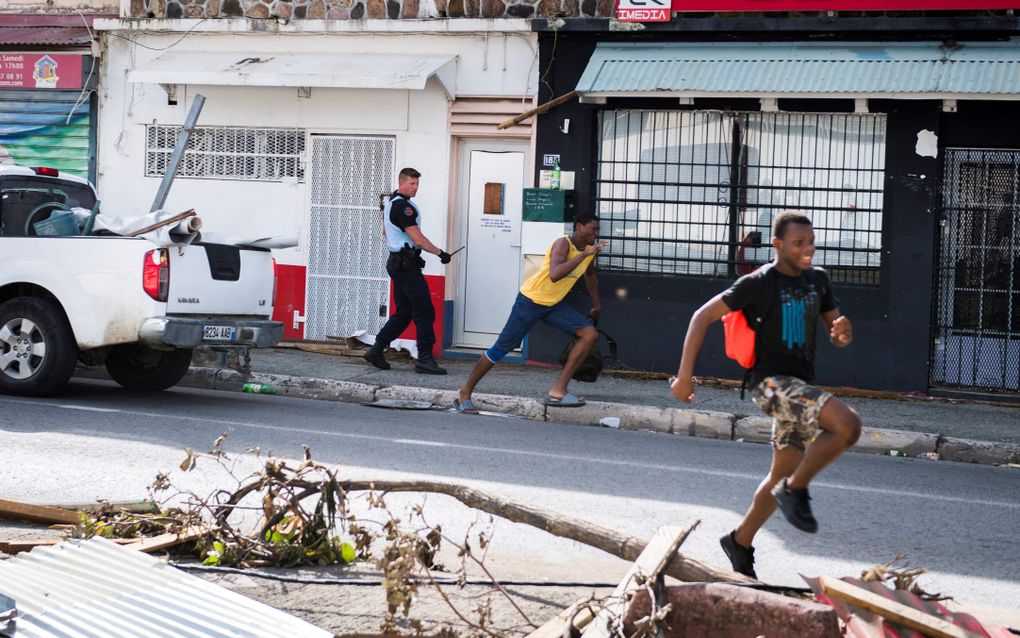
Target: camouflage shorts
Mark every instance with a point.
(794, 407)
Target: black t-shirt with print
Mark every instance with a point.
(403, 214)
(786, 339)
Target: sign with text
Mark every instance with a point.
(643, 10)
(838, 5)
(40, 71)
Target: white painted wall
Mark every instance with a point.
(500, 64)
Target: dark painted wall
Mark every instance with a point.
(891, 320)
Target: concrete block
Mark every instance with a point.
(631, 417)
(754, 429)
(715, 609)
(986, 452)
(880, 441)
(439, 398)
(310, 388)
(703, 423)
(523, 407)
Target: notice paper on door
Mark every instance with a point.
(501, 224)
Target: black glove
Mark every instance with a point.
(445, 257)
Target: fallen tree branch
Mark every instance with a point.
(626, 547)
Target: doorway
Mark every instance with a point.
(489, 227)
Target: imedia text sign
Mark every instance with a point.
(643, 10)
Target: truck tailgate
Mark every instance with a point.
(217, 279)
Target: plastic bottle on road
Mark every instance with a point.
(258, 388)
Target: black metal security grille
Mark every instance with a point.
(695, 192)
(976, 341)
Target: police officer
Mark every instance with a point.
(402, 221)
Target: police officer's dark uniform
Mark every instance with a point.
(410, 292)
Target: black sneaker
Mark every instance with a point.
(427, 365)
(796, 507)
(376, 358)
(741, 558)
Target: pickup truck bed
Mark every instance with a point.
(137, 307)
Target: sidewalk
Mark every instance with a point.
(956, 431)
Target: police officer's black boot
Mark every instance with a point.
(427, 365)
(376, 358)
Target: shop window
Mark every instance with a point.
(695, 192)
(222, 152)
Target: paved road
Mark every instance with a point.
(959, 520)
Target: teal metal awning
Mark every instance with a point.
(907, 70)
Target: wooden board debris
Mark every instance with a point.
(553, 628)
(156, 543)
(650, 563)
(36, 513)
(16, 547)
(892, 610)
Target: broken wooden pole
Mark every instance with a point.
(537, 110)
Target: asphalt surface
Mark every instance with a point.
(959, 520)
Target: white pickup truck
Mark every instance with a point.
(122, 301)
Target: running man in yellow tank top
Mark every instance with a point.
(541, 298)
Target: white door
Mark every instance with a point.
(489, 272)
(347, 288)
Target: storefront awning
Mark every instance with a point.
(327, 70)
(969, 70)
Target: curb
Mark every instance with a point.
(685, 422)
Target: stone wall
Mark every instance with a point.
(411, 9)
(369, 9)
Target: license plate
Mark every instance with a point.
(218, 333)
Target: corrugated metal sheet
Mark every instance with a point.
(50, 36)
(814, 69)
(97, 588)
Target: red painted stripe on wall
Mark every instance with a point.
(290, 297)
(437, 290)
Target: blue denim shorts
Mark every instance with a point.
(523, 317)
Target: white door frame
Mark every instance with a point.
(464, 147)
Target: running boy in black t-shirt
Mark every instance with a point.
(781, 377)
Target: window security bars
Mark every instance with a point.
(976, 340)
(222, 152)
(695, 192)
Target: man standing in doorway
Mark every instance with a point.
(402, 224)
(541, 298)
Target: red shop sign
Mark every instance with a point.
(842, 5)
(40, 71)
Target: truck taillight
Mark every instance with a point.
(46, 170)
(156, 274)
(275, 277)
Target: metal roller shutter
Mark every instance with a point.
(45, 128)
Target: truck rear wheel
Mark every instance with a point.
(139, 367)
(37, 347)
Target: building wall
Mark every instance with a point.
(499, 64)
(648, 314)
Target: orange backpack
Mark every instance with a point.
(738, 334)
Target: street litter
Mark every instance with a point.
(400, 404)
(258, 388)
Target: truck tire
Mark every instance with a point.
(139, 367)
(37, 347)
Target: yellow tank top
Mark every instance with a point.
(546, 292)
